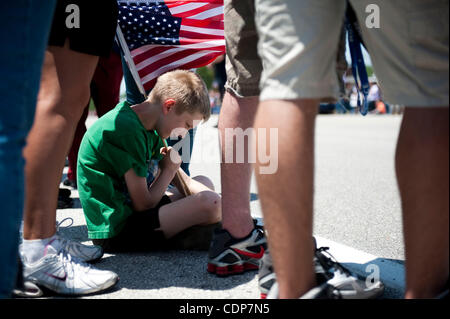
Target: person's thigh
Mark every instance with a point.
(74, 74)
(298, 44)
(409, 49)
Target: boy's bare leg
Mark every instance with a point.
(64, 93)
(236, 177)
(423, 177)
(196, 185)
(287, 196)
(201, 208)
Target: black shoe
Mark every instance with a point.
(231, 256)
(64, 199)
(70, 183)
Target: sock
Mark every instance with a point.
(33, 250)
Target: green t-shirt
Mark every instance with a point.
(112, 145)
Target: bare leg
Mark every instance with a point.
(422, 170)
(63, 95)
(236, 177)
(202, 208)
(287, 195)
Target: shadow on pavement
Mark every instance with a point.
(161, 269)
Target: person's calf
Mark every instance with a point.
(422, 171)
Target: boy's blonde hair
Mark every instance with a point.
(187, 89)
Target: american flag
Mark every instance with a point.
(167, 35)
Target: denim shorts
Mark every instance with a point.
(24, 28)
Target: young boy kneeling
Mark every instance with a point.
(122, 212)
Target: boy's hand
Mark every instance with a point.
(171, 160)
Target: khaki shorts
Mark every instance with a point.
(243, 65)
(409, 51)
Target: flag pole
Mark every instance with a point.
(129, 60)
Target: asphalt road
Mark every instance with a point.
(356, 197)
(356, 204)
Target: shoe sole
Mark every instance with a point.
(48, 292)
(29, 290)
(229, 270)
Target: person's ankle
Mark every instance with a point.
(240, 232)
(33, 250)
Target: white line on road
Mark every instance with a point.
(392, 273)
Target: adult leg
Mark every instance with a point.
(422, 170)
(405, 58)
(62, 97)
(288, 207)
(105, 86)
(299, 70)
(236, 113)
(240, 244)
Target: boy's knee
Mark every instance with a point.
(211, 204)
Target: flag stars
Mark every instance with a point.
(148, 23)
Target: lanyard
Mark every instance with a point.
(358, 66)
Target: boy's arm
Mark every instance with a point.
(144, 198)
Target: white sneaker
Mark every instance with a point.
(78, 250)
(341, 283)
(345, 284)
(84, 252)
(60, 272)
